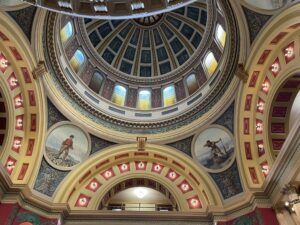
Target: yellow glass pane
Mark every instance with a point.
(169, 96)
(221, 35)
(66, 32)
(144, 100)
(211, 63)
(119, 95)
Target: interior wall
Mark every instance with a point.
(295, 111)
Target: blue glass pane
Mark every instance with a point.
(203, 18)
(179, 11)
(79, 56)
(161, 54)
(176, 45)
(165, 67)
(145, 71)
(104, 30)
(167, 31)
(193, 13)
(94, 38)
(146, 56)
(146, 39)
(187, 31)
(129, 53)
(115, 23)
(108, 56)
(175, 22)
(157, 37)
(115, 44)
(126, 30)
(135, 37)
(196, 40)
(183, 57)
(126, 67)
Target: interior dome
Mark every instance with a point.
(149, 71)
(149, 46)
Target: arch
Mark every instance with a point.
(268, 69)
(25, 99)
(158, 162)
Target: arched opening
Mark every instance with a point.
(144, 99)
(77, 60)
(169, 96)
(119, 95)
(138, 194)
(210, 63)
(66, 32)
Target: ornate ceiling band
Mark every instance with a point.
(117, 164)
(268, 69)
(24, 97)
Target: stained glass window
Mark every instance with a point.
(169, 95)
(77, 60)
(210, 63)
(119, 95)
(66, 32)
(144, 99)
(221, 35)
(96, 82)
(192, 83)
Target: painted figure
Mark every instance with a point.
(65, 146)
(215, 149)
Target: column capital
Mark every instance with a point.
(40, 70)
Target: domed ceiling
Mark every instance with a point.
(148, 74)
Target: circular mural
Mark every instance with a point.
(214, 148)
(66, 146)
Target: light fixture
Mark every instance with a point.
(140, 192)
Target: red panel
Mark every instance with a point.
(185, 187)
(19, 122)
(279, 111)
(160, 157)
(108, 174)
(102, 163)
(157, 168)
(284, 97)
(23, 171)
(289, 52)
(253, 175)
(278, 38)
(140, 165)
(264, 56)
(15, 53)
(124, 167)
(277, 143)
(295, 26)
(178, 164)
(10, 164)
(248, 102)
(194, 203)
(253, 80)
(31, 96)
(265, 168)
(172, 175)
(246, 126)
(33, 122)
(266, 85)
(17, 144)
(277, 128)
(3, 62)
(26, 74)
(30, 147)
(122, 156)
(18, 100)
(275, 67)
(3, 37)
(84, 176)
(83, 201)
(260, 148)
(12, 81)
(94, 185)
(248, 150)
(194, 178)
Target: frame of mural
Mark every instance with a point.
(66, 145)
(213, 148)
